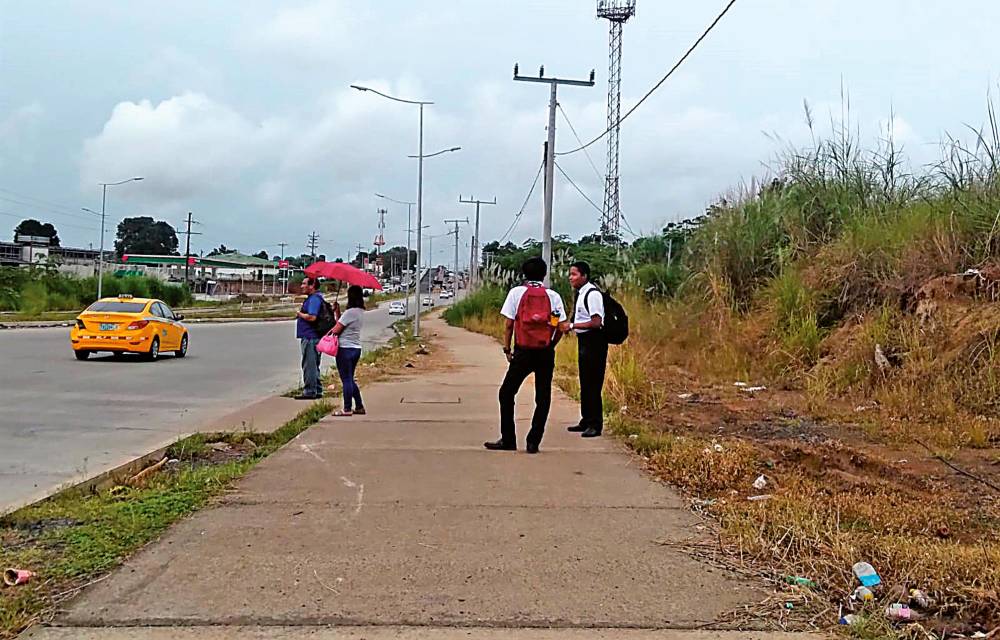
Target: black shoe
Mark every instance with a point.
(500, 445)
(305, 397)
(591, 433)
(578, 428)
(531, 448)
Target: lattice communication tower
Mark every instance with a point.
(617, 13)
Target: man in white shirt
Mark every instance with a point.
(592, 349)
(533, 315)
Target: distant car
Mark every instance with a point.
(427, 301)
(447, 294)
(397, 308)
(129, 325)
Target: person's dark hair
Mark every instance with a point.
(355, 297)
(582, 267)
(534, 269)
(312, 282)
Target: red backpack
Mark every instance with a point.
(532, 323)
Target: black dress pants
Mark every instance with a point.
(542, 363)
(592, 349)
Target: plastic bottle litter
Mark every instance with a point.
(863, 594)
(920, 599)
(800, 581)
(850, 619)
(760, 482)
(897, 611)
(866, 574)
(13, 577)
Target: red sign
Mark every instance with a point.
(125, 258)
(192, 260)
(282, 264)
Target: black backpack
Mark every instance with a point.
(324, 319)
(615, 329)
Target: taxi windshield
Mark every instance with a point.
(113, 306)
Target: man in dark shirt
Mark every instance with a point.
(308, 338)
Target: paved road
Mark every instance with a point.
(62, 420)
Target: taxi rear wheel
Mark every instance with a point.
(154, 349)
(180, 353)
(81, 354)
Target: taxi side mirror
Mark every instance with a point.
(178, 317)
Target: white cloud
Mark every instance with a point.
(315, 32)
(184, 146)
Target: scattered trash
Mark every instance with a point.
(920, 599)
(902, 461)
(943, 532)
(14, 577)
(140, 477)
(634, 436)
(863, 594)
(761, 498)
(753, 389)
(422, 351)
(868, 406)
(880, 359)
(699, 503)
(760, 482)
(219, 446)
(253, 445)
(850, 619)
(789, 605)
(800, 581)
(898, 611)
(717, 447)
(866, 574)
(740, 384)
(118, 491)
(685, 396)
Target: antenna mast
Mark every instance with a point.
(617, 13)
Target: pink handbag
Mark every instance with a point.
(328, 344)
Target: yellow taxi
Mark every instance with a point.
(129, 325)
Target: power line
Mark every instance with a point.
(587, 198)
(55, 212)
(578, 189)
(33, 198)
(517, 217)
(662, 80)
(21, 216)
(580, 142)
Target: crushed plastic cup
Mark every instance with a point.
(13, 577)
(760, 482)
(920, 599)
(850, 618)
(866, 574)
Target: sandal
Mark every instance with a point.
(360, 412)
(342, 414)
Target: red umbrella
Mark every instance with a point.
(343, 272)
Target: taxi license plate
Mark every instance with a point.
(108, 326)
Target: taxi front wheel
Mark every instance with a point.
(180, 353)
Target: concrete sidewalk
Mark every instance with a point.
(400, 525)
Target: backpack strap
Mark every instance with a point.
(586, 297)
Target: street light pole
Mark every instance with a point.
(409, 231)
(100, 257)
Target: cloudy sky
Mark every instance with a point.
(241, 111)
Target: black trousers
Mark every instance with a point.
(592, 349)
(542, 363)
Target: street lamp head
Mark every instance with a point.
(137, 179)
(359, 87)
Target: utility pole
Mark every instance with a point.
(550, 156)
(312, 244)
(380, 238)
(284, 281)
(187, 249)
(456, 223)
(474, 263)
